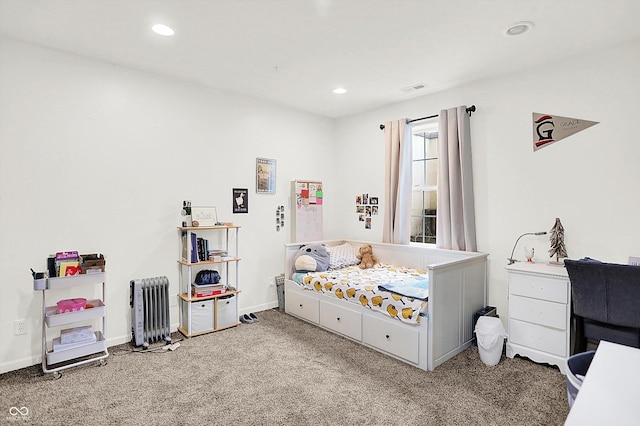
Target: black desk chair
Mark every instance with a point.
(605, 300)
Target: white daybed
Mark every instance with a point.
(456, 290)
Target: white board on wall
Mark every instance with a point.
(307, 198)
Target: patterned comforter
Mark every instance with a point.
(405, 302)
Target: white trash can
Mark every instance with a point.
(490, 334)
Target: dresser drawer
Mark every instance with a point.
(550, 314)
(341, 320)
(538, 337)
(303, 306)
(539, 287)
(396, 339)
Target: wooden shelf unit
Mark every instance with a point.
(201, 315)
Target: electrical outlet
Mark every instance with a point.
(634, 260)
(19, 327)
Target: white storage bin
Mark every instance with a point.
(201, 315)
(226, 312)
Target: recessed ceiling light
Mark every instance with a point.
(163, 30)
(518, 28)
(339, 90)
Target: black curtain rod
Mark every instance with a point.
(470, 109)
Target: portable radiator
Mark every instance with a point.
(150, 311)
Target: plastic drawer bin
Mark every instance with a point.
(577, 366)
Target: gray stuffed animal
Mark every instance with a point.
(312, 258)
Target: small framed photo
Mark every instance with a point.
(240, 200)
(204, 216)
(265, 176)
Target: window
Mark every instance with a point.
(424, 183)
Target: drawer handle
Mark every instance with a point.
(202, 306)
(338, 318)
(301, 305)
(387, 336)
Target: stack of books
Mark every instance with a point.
(196, 250)
(204, 290)
(68, 263)
(217, 254)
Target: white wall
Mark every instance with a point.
(98, 158)
(589, 180)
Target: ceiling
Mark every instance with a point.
(295, 52)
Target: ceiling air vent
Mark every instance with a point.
(413, 88)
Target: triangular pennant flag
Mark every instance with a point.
(548, 128)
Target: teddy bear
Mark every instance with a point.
(367, 259)
(311, 258)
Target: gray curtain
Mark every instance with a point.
(456, 211)
(397, 190)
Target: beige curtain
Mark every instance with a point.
(456, 211)
(397, 191)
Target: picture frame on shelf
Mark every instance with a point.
(204, 216)
(265, 176)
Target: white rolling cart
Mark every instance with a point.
(56, 361)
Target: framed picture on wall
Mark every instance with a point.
(265, 176)
(240, 200)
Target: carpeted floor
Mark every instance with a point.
(284, 371)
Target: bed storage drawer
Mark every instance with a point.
(302, 306)
(341, 320)
(396, 339)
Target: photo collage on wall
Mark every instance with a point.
(365, 208)
(279, 218)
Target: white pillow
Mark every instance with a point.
(342, 256)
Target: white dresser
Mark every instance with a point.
(539, 313)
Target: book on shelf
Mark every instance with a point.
(203, 249)
(69, 268)
(217, 252)
(194, 248)
(206, 293)
(66, 264)
(204, 290)
(66, 255)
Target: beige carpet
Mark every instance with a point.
(284, 371)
